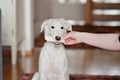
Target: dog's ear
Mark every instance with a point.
(68, 26)
(44, 24)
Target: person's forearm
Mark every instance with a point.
(105, 41)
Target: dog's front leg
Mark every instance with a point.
(43, 72)
(36, 76)
(65, 72)
(64, 75)
(44, 69)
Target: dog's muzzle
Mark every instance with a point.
(57, 42)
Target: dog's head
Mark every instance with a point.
(55, 29)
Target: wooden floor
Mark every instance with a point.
(81, 61)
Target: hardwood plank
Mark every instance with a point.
(88, 12)
(96, 29)
(103, 17)
(106, 6)
(81, 61)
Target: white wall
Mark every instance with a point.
(42, 9)
(45, 9)
(68, 11)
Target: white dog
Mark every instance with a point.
(53, 64)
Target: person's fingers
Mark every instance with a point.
(69, 41)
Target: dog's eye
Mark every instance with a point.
(62, 27)
(52, 27)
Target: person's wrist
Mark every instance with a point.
(81, 37)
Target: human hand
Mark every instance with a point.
(72, 38)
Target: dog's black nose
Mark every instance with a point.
(58, 38)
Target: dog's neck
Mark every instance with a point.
(57, 44)
(54, 44)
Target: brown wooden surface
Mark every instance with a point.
(88, 12)
(106, 17)
(81, 61)
(28, 76)
(90, 17)
(106, 6)
(96, 29)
